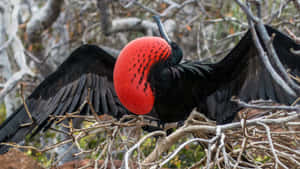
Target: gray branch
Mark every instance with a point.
(43, 19)
(281, 77)
(295, 52)
(264, 58)
(105, 17)
(273, 55)
(265, 107)
(132, 24)
(11, 26)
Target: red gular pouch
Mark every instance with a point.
(132, 69)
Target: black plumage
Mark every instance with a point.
(88, 67)
(209, 87)
(178, 87)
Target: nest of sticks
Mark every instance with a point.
(265, 135)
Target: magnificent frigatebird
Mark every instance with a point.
(149, 78)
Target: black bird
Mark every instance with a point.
(149, 78)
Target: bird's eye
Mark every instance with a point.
(174, 45)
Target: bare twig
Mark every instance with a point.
(279, 11)
(241, 152)
(264, 107)
(292, 35)
(285, 82)
(272, 146)
(181, 147)
(26, 108)
(37, 149)
(171, 139)
(266, 61)
(128, 153)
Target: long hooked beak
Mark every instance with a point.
(161, 29)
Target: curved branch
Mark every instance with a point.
(165, 144)
(295, 52)
(43, 19)
(280, 76)
(131, 23)
(180, 148)
(128, 153)
(272, 146)
(15, 42)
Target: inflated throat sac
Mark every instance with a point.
(132, 69)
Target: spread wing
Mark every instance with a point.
(209, 87)
(88, 68)
(241, 73)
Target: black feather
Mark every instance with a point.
(64, 91)
(178, 87)
(209, 87)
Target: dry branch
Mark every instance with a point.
(250, 134)
(15, 43)
(236, 145)
(43, 19)
(283, 78)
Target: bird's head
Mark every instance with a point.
(133, 67)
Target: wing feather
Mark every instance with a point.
(88, 67)
(209, 87)
(103, 96)
(97, 94)
(247, 78)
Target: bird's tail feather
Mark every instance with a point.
(11, 129)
